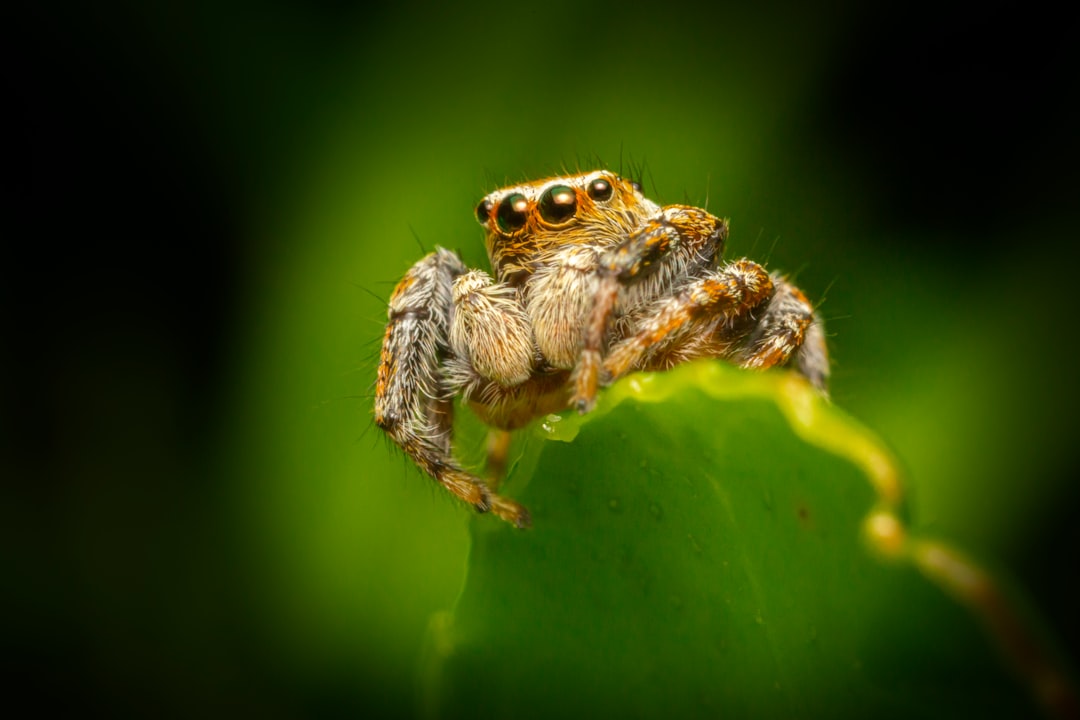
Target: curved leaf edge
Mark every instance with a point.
(1015, 632)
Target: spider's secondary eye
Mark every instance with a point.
(512, 212)
(483, 211)
(636, 185)
(600, 189)
(558, 204)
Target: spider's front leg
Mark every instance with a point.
(706, 318)
(739, 312)
(694, 310)
(788, 329)
(681, 242)
(413, 404)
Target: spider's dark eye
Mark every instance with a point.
(558, 204)
(483, 211)
(636, 185)
(512, 212)
(600, 189)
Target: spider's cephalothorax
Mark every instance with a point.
(592, 280)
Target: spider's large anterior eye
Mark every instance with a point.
(600, 189)
(483, 211)
(511, 214)
(558, 204)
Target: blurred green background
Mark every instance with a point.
(203, 519)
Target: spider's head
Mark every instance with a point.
(526, 222)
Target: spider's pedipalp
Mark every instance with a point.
(489, 327)
(561, 296)
(679, 243)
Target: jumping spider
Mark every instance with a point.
(592, 280)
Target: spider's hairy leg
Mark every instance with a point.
(812, 359)
(412, 404)
(708, 307)
(498, 454)
(680, 242)
(789, 327)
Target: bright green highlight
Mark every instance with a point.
(698, 550)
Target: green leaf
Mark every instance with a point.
(713, 542)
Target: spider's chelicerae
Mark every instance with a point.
(591, 280)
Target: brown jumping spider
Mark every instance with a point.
(592, 281)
